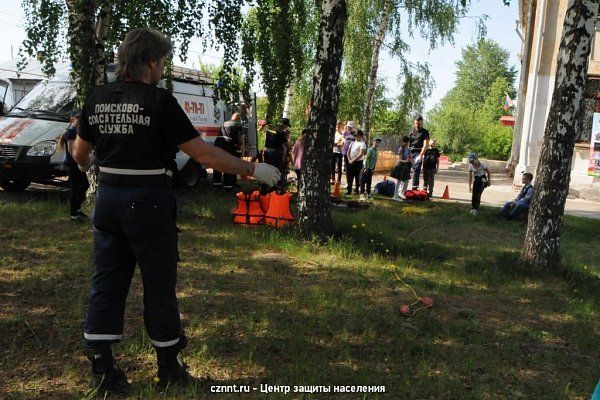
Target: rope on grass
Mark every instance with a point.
(427, 302)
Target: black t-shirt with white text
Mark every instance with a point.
(134, 125)
(417, 138)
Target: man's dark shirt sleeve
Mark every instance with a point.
(178, 123)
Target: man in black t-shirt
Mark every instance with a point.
(418, 143)
(136, 129)
(276, 147)
(231, 140)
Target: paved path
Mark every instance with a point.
(497, 194)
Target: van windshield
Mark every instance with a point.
(47, 100)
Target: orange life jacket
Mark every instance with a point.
(279, 213)
(264, 199)
(248, 210)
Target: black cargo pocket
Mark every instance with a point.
(148, 217)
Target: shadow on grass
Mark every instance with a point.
(257, 313)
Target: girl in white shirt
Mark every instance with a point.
(481, 174)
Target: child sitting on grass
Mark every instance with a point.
(520, 205)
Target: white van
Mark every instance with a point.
(30, 132)
(17, 80)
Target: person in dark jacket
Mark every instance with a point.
(231, 140)
(136, 129)
(276, 151)
(78, 181)
(520, 205)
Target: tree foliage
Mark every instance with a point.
(481, 64)
(280, 36)
(57, 29)
(467, 118)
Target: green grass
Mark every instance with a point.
(262, 306)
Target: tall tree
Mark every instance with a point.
(274, 35)
(542, 241)
(477, 70)
(470, 110)
(435, 20)
(379, 38)
(314, 209)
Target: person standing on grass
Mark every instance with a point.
(298, 153)
(260, 141)
(479, 179)
(276, 151)
(431, 165)
(366, 175)
(134, 217)
(78, 181)
(356, 157)
(349, 138)
(231, 140)
(419, 143)
(520, 205)
(338, 143)
(402, 170)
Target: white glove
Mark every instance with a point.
(266, 173)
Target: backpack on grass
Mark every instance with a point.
(385, 188)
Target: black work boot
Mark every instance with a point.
(171, 368)
(107, 378)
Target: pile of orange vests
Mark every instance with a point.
(272, 209)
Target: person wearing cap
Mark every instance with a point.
(349, 138)
(136, 129)
(479, 179)
(276, 151)
(366, 176)
(78, 181)
(356, 158)
(418, 144)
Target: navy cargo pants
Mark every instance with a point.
(134, 225)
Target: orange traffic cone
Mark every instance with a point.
(446, 194)
(336, 190)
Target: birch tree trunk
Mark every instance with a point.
(289, 97)
(314, 207)
(81, 38)
(102, 26)
(542, 241)
(383, 26)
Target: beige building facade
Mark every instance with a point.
(541, 23)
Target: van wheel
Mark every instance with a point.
(14, 186)
(189, 175)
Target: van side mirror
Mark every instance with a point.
(2, 111)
